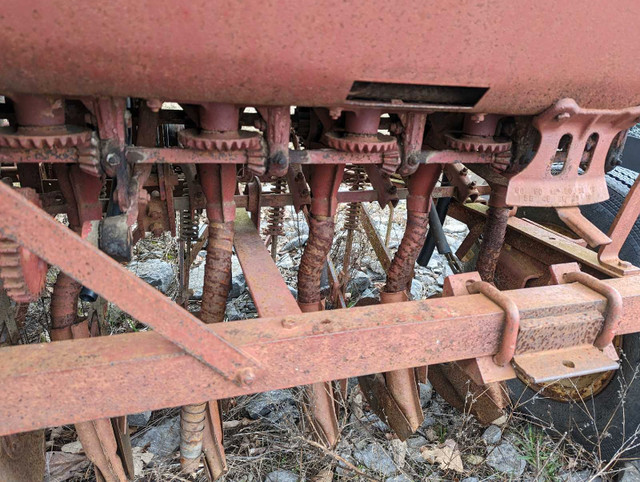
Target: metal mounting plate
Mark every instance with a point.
(575, 361)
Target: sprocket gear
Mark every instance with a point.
(468, 143)
(44, 137)
(219, 141)
(23, 274)
(362, 144)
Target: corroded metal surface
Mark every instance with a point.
(437, 49)
(91, 375)
(96, 270)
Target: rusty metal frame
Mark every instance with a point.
(94, 378)
(20, 220)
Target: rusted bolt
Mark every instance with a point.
(299, 177)
(477, 118)
(392, 189)
(112, 159)
(287, 323)
(563, 116)
(412, 161)
(304, 192)
(464, 171)
(246, 376)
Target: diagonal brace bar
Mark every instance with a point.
(52, 241)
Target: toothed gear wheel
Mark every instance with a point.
(219, 141)
(361, 144)
(44, 137)
(23, 274)
(467, 143)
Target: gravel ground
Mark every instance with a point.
(266, 436)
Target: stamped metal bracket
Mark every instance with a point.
(579, 140)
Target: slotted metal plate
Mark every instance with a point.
(576, 361)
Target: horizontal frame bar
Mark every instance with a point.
(76, 380)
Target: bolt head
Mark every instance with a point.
(112, 159)
(563, 116)
(246, 376)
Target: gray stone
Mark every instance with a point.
(285, 262)
(238, 286)
(426, 392)
(584, 476)
(281, 476)
(359, 283)
(156, 272)
(276, 406)
(470, 479)
(399, 478)
(492, 435)
(296, 243)
(294, 292)
(416, 289)
(429, 421)
(139, 419)
(233, 313)
(161, 440)
(631, 472)
(377, 459)
(453, 226)
(506, 459)
(196, 281)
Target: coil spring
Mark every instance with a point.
(356, 179)
(188, 228)
(276, 214)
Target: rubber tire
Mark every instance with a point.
(606, 412)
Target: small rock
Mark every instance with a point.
(377, 459)
(296, 243)
(429, 421)
(500, 421)
(470, 479)
(416, 441)
(399, 478)
(359, 283)
(139, 419)
(416, 289)
(473, 459)
(431, 434)
(156, 272)
(238, 285)
(398, 452)
(276, 406)
(286, 262)
(281, 476)
(453, 226)
(492, 435)
(161, 440)
(294, 292)
(233, 313)
(426, 392)
(506, 459)
(196, 282)
(72, 447)
(631, 472)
